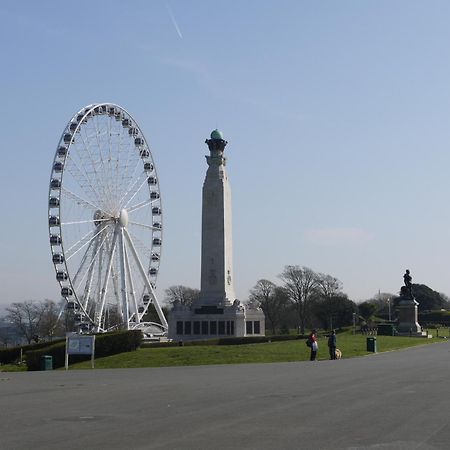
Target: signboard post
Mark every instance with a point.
(77, 344)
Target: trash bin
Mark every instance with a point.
(372, 344)
(46, 362)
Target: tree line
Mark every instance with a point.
(304, 299)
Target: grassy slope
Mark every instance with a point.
(253, 353)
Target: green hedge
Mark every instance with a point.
(105, 345)
(226, 341)
(11, 355)
(435, 317)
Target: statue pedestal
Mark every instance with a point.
(408, 318)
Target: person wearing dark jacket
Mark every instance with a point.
(332, 344)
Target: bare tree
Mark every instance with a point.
(300, 284)
(5, 333)
(33, 320)
(181, 294)
(271, 299)
(49, 324)
(328, 285)
(26, 318)
(328, 289)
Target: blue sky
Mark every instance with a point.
(337, 116)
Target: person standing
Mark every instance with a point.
(332, 344)
(314, 345)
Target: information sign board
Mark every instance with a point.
(77, 344)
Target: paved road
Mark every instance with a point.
(388, 401)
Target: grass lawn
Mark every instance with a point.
(286, 351)
(440, 332)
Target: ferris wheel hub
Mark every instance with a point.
(99, 217)
(123, 218)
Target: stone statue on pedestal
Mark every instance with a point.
(408, 324)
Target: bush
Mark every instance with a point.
(105, 345)
(435, 317)
(11, 355)
(227, 341)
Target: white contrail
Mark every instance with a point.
(173, 20)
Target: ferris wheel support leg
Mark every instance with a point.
(108, 273)
(83, 262)
(132, 291)
(114, 278)
(146, 280)
(61, 309)
(123, 282)
(88, 285)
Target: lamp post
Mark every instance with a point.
(354, 323)
(389, 307)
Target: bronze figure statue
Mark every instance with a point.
(406, 290)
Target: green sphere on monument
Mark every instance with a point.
(216, 134)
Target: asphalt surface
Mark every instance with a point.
(398, 400)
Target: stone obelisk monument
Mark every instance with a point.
(217, 248)
(216, 312)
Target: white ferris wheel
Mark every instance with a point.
(105, 221)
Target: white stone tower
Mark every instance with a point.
(217, 248)
(216, 313)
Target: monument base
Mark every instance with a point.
(419, 334)
(211, 321)
(408, 324)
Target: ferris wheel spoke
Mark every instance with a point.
(103, 164)
(109, 187)
(85, 184)
(144, 248)
(83, 302)
(132, 188)
(114, 156)
(140, 205)
(136, 172)
(81, 177)
(94, 221)
(83, 262)
(90, 270)
(143, 225)
(129, 150)
(81, 200)
(145, 278)
(90, 170)
(85, 240)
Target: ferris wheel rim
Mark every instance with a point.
(81, 117)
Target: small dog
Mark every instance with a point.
(338, 354)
